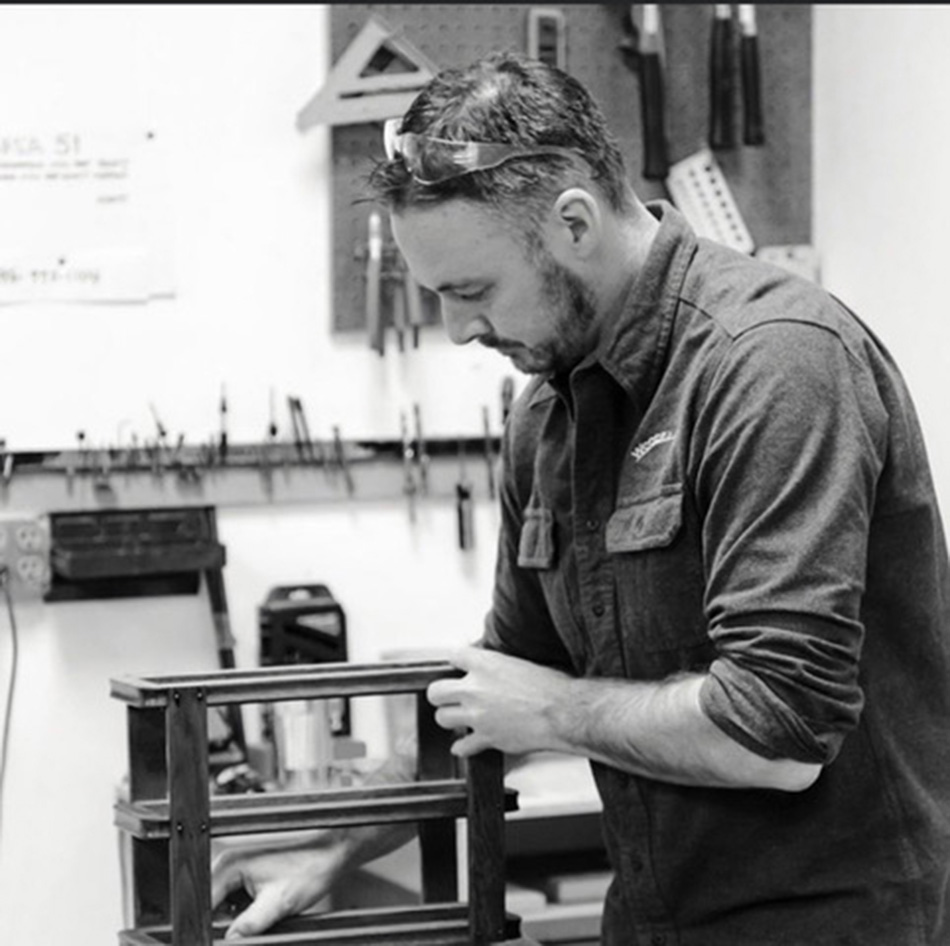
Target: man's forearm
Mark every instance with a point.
(655, 729)
(659, 730)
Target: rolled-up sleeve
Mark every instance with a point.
(792, 451)
(785, 686)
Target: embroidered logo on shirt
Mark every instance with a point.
(641, 450)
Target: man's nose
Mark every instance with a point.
(462, 325)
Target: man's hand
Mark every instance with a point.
(285, 877)
(506, 702)
(655, 729)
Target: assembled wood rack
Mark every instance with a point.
(171, 814)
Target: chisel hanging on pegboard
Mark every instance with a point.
(374, 283)
(464, 511)
(642, 51)
(721, 82)
(753, 125)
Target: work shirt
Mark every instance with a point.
(734, 483)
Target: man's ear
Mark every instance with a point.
(575, 224)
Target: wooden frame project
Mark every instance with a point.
(171, 815)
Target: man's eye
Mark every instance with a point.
(470, 295)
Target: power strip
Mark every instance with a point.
(25, 552)
(701, 194)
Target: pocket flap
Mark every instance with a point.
(536, 546)
(645, 524)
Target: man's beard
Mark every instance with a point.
(575, 311)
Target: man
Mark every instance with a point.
(722, 575)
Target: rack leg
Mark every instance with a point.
(436, 838)
(189, 810)
(486, 847)
(148, 780)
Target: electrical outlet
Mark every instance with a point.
(25, 552)
(31, 536)
(33, 572)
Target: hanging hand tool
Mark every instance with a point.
(753, 127)
(489, 454)
(463, 505)
(342, 460)
(422, 455)
(643, 52)
(223, 436)
(408, 461)
(272, 450)
(101, 483)
(81, 441)
(159, 427)
(295, 426)
(161, 443)
(302, 441)
(308, 440)
(507, 398)
(399, 305)
(721, 84)
(414, 308)
(7, 464)
(547, 36)
(132, 457)
(374, 265)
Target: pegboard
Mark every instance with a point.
(771, 184)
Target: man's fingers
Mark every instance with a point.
(442, 692)
(263, 913)
(450, 717)
(469, 658)
(224, 878)
(468, 745)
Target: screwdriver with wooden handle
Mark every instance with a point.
(721, 84)
(652, 104)
(374, 269)
(414, 309)
(753, 126)
(463, 505)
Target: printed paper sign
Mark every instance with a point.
(83, 217)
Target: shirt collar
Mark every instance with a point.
(633, 348)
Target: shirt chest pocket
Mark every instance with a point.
(651, 523)
(657, 561)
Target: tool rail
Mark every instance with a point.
(171, 815)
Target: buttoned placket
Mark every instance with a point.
(593, 503)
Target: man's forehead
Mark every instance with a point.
(453, 242)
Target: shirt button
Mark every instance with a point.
(592, 525)
(598, 610)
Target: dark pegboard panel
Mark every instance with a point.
(771, 184)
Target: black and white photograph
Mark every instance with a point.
(474, 474)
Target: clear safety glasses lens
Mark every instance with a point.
(434, 160)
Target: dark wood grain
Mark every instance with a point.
(189, 815)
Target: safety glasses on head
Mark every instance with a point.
(434, 160)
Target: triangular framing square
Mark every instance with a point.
(350, 97)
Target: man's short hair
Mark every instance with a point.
(511, 99)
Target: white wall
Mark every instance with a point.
(222, 86)
(882, 194)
